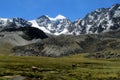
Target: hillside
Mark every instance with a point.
(105, 45)
(97, 33)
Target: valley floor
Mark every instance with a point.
(75, 67)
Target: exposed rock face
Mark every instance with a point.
(52, 47)
(22, 36)
(98, 21)
(54, 26)
(105, 43)
(13, 37)
(19, 22)
(26, 35)
(15, 23)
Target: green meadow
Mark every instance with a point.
(74, 67)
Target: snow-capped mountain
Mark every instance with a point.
(57, 17)
(98, 21)
(19, 22)
(56, 26)
(6, 23)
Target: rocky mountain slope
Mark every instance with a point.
(19, 37)
(14, 23)
(105, 45)
(97, 33)
(98, 21)
(54, 26)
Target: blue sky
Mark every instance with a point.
(31, 9)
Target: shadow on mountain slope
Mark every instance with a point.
(105, 45)
(19, 37)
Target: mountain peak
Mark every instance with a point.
(115, 7)
(43, 17)
(57, 17)
(60, 17)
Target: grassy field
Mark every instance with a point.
(75, 67)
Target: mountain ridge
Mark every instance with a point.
(98, 21)
(97, 34)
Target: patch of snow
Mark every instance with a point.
(83, 22)
(4, 21)
(57, 17)
(60, 17)
(119, 7)
(34, 24)
(65, 31)
(87, 29)
(109, 25)
(117, 13)
(49, 26)
(91, 17)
